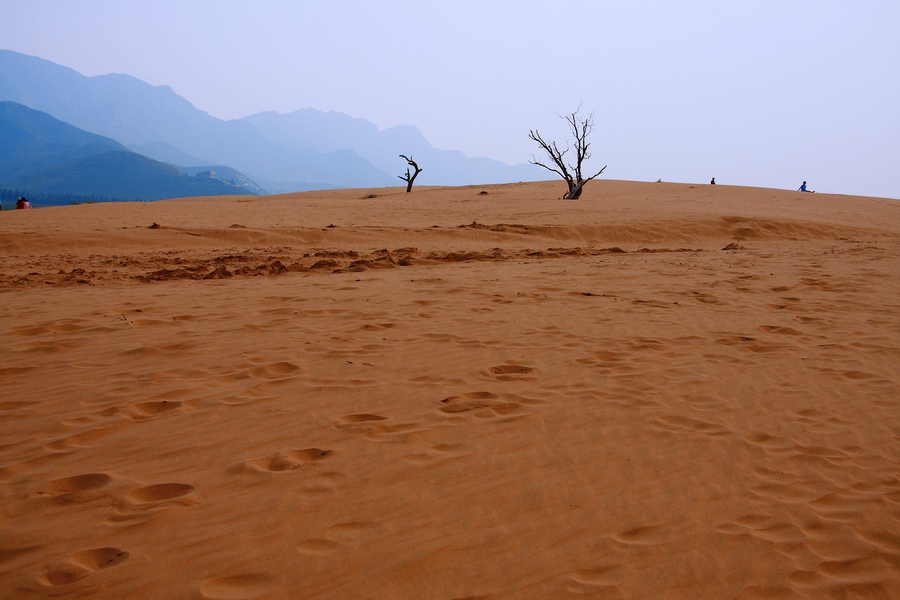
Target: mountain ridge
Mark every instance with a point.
(329, 149)
(43, 155)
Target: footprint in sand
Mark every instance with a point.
(279, 370)
(79, 488)
(779, 329)
(350, 532)
(734, 340)
(861, 376)
(641, 536)
(439, 453)
(239, 587)
(774, 477)
(370, 425)
(140, 503)
(480, 404)
(765, 348)
(319, 546)
(510, 369)
(361, 418)
(79, 565)
(147, 410)
(355, 420)
(88, 420)
(600, 576)
(511, 372)
(287, 461)
(79, 440)
(155, 494)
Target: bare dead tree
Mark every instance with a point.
(410, 178)
(581, 129)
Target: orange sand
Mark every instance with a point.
(658, 391)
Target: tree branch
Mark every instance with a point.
(555, 154)
(581, 130)
(409, 179)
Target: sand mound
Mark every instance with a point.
(659, 390)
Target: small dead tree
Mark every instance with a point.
(581, 129)
(410, 178)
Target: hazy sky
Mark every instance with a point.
(752, 92)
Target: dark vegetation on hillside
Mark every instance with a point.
(37, 199)
(42, 155)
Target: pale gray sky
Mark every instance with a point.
(754, 92)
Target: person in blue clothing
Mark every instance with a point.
(803, 188)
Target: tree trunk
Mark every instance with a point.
(574, 192)
(409, 178)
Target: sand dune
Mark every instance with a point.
(658, 391)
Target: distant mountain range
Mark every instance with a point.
(45, 156)
(303, 150)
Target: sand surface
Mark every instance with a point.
(658, 391)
